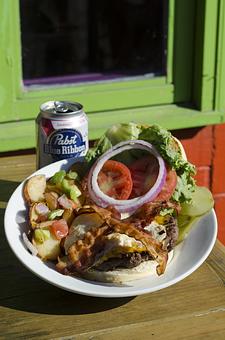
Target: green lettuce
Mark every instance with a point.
(114, 135)
(163, 140)
(99, 148)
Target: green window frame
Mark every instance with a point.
(191, 94)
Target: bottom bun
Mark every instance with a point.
(123, 275)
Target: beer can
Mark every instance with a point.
(62, 132)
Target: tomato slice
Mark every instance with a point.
(169, 186)
(59, 228)
(144, 173)
(115, 180)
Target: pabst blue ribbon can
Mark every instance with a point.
(62, 132)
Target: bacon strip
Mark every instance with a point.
(145, 214)
(153, 247)
(105, 214)
(83, 253)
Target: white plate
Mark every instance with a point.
(188, 256)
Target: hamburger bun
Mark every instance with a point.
(119, 275)
(122, 275)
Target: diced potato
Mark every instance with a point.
(91, 220)
(33, 216)
(41, 235)
(51, 200)
(34, 189)
(45, 224)
(80, 225)
(49, 249)
(53, 188)
(68, 215)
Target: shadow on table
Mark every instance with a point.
(22, 290)
(6, 189)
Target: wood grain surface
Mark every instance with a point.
(33, 309)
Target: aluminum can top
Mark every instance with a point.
(61, 109)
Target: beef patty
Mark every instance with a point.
(129, 260)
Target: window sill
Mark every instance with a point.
(20, 135)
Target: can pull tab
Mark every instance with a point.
(61, 107)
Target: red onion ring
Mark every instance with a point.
(41, 209)
(125, 206)
(65, 202)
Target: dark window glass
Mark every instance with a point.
(84, 40)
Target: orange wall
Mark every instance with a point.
(205, 147)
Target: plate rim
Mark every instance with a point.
(107, 294)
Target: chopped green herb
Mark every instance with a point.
(55, 213)
(58, 177)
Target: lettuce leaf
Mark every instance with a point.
(114, 135)
(163, 140)
(99, 148)
(167, 147)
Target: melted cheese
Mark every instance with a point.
(157, 230)
(118, 244)
(123, 216)
(123, 241)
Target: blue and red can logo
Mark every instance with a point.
(65, 143)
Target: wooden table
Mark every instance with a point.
(31, 308)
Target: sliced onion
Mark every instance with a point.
(41, 209)
(125, 206)
(65, 202)
(29, 245)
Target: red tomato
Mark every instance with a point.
(144, 172)
(169, 186)
(115, 180)
(59, 228)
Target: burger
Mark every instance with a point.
(115, 217)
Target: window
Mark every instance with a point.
(168, 69)
(85, 40)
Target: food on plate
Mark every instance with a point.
(118, 215)
(35, 188)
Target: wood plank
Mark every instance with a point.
(216, 261)
(31, 308)
(17, 168)
(182, 327)
(33, 301)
